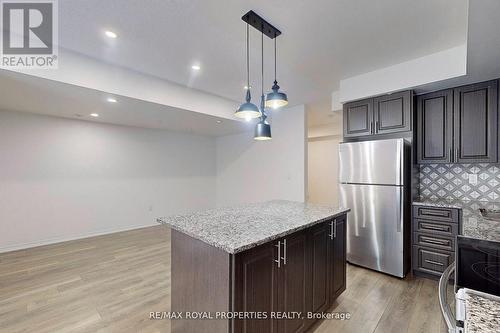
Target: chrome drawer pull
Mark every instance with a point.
(435, 241)
(433, 227)
(432, 262)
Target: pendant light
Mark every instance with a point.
(262, 129)
(276, 99)
(248, 110)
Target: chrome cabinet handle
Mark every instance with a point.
(284, 252)
(432, 262)
(433, 227)
(435, 241)
(333, 229)
(279, 254)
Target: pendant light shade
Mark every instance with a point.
(276, 99)
(248, 110)
(262, 131)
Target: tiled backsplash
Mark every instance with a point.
(451, 181)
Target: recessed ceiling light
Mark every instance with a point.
(110, 34)
(196, 67)
(95, 115)
(219, 121)
(111, 100)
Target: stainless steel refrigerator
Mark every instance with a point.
(373, 177)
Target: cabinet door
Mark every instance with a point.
(338, 258)
(476, 117)
(293, 282)
(358, 118)
(255, 287)
(392, 113)
(435, 127)
(319, 290)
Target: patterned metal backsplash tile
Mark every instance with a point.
(451, 181)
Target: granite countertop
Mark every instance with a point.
(235, 229)
(482, 312)
(473, 224)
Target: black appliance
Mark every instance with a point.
(478, 265)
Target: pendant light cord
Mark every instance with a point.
(248, 65)
(262, 62)
(275, 58)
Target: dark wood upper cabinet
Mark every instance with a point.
(358, 118)
(256, 287)
(338, 259)
(392, 113)
(476, 122)
(435, 127)
(458, 125)
(388, 114)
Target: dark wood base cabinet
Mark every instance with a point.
(434, 232)
(300, 273)
(310, 275)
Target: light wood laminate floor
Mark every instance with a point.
(111, 283)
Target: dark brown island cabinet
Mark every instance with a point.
(303, 272)
(458, 125)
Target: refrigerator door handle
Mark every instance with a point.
(399, 217)
(399, 158)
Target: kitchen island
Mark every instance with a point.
(263, 267)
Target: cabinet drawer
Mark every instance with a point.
(436, 228)
(436, 213)
(431, 261)
(435, 241)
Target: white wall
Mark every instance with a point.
(62, 179)
(323, 170)
(323, 163)
(250, 171)
(435, 67)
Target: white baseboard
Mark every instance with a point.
(54, 240)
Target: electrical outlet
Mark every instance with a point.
(472, 178)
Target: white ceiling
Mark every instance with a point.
(19, 92)
(323, 41)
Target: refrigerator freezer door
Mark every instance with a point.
(375, 226)
(372, 162)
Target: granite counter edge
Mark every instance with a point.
(231, 250)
